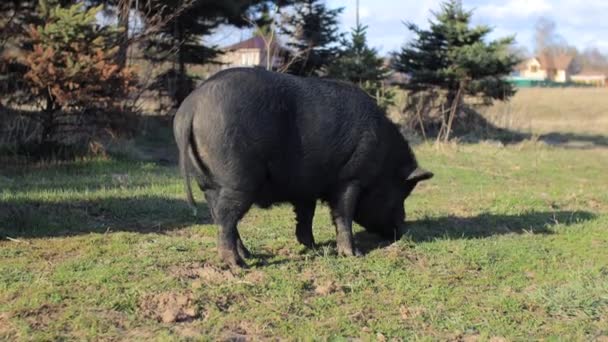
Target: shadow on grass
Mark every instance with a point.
(556, 139)
(481, 226)
(572, 140)
(143, 214)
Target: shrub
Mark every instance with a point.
(72, 72)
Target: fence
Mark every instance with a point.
(532, 83)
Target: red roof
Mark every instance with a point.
(591, 72)
(255, 42)
(559, 62)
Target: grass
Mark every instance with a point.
(505, 243)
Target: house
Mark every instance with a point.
(253, 53)
(394, 77)
(592, 77)
(547, 67)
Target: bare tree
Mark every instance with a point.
(548, 40)
(545, 33)
(268, 33)
(154, 16)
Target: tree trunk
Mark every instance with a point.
(452, 97)
(454, 101)
(48, 122)
(123, 41)
(181, 85)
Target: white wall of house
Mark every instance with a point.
(275, 60)
(533, 70)
(248, 58)
(561, 76)
(244, 57)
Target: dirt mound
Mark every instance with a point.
(170, 307)
(324, 288)
(209, 274)
(205, 272)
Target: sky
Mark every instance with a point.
(581, 22)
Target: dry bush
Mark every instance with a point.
(426, 115)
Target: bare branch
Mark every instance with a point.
(155, 23)
(269, 41)
(294, 58)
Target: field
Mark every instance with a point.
(557, 110)
(505, 243)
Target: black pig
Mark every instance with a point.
(249, 136)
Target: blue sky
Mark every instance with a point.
(582, 23)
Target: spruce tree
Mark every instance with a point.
(313, 31)
(179, 40)
(72, 68)
(15, 18)
(360, 64)
(453, 55)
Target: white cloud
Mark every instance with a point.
(514, 9)
(349, 13)
(385, 18)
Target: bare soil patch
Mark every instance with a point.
(209, 274)
(6, 329)
(324, 288)
(205, 272)
(170, 307)
(42, 317)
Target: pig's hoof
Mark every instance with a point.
(346, 251)
(308, 242)
(231, 258)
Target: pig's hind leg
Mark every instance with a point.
(211, 196)
(305, 212)
(230, 206)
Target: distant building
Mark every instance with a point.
(590, 77)
(394, 77)
(546, 67)
(253, 53)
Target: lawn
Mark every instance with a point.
(505, 243)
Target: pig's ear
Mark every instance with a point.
(419, 174)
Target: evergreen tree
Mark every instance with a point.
(313, 31)
(452, 55)
(360, 64)
(15, 17)
(180, 40)
(72, 67)
(71, 62)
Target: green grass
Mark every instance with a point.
(505, 242)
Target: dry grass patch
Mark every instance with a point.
(546, 110)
